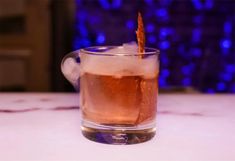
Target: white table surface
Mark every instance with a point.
(189, 127)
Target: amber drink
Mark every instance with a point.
(118, 94)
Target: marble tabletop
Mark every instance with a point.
(46, 127)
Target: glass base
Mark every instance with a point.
(120, 134)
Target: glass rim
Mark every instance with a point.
(99, 50)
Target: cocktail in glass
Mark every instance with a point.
(118, 92)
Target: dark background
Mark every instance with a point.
(196, 39)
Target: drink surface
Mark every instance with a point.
(124, 101)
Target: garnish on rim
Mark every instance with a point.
(140, 34)
(141, 43)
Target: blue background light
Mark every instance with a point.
(196, 37)
(117, 3)
(164, 45)
(186, 81)
(130, 24)
(230, 68)
(150, 28)
(228, 27)
(104, 4)
(151, 39)
(221, 86)
(165, 72)
(161, 12)
(210, 91)
(197, 52)
(226, 43)
(100, 38)
(186, 70)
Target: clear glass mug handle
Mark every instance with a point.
(70, 67)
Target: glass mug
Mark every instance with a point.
(118, 93)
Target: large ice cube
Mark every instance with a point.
(120, 65)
